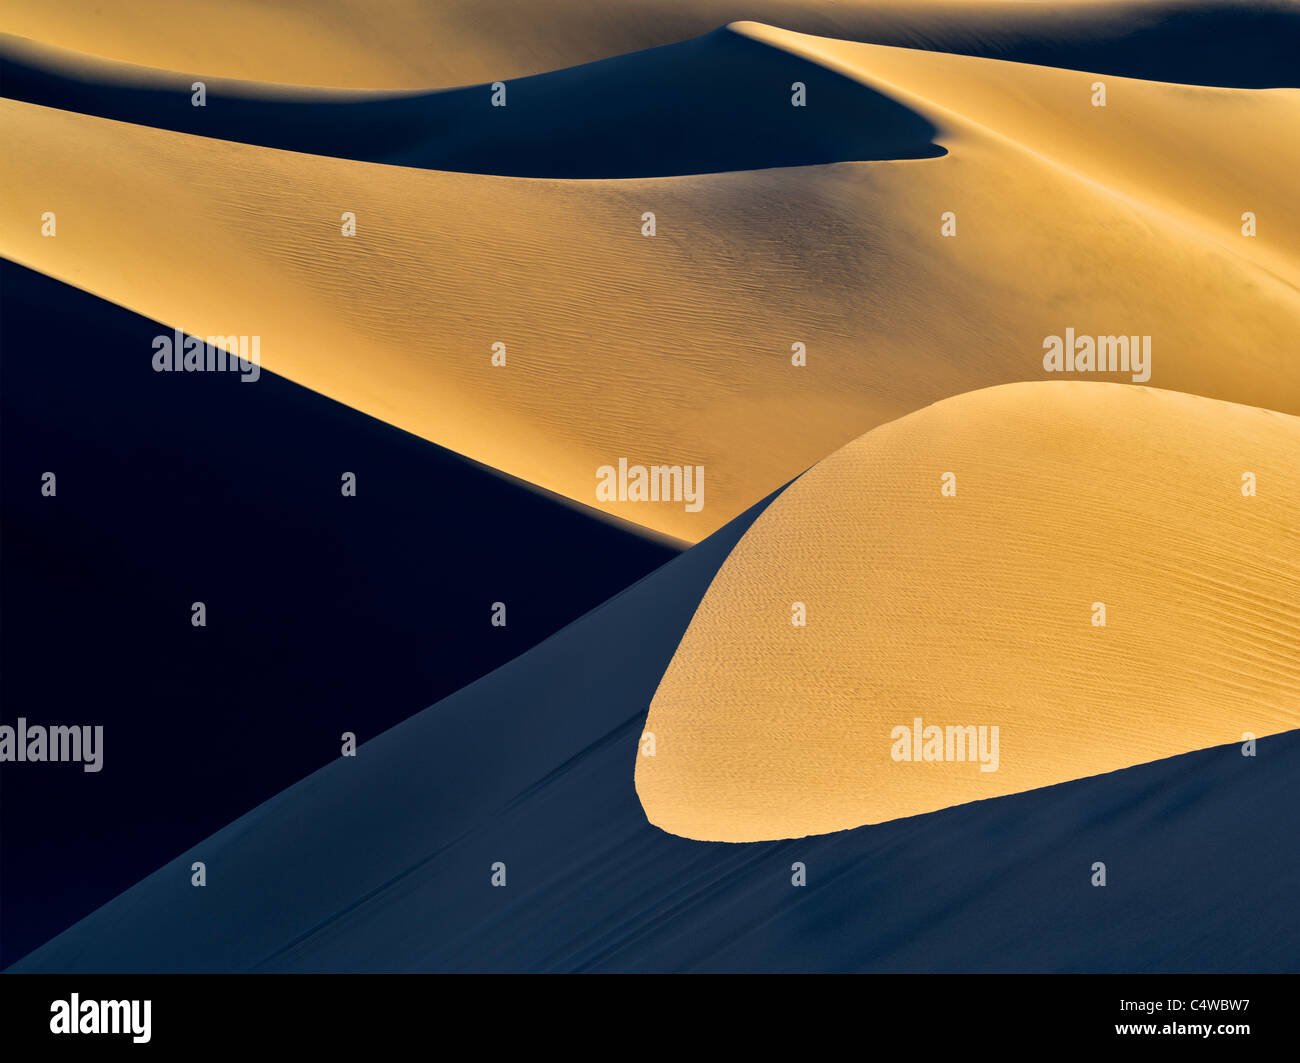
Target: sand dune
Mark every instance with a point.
(979, 610)
(947, 203)
(326, 613)
(1175, 148)
(1178, 149)
(716, 103)
(418, 44)
(383, 863)
(677, 349)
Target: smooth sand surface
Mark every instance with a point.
(417, 44)
(677, 349)
(978, 610)
(816, 227)
(712, 104)
(532, 766)
(1179, 149)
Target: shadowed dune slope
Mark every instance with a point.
(718, 102)
(980, 609)
(325, 613)
(677, 349)
(417, 44)
(383, 863)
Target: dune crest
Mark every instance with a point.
(678, 349)
(1097, 590)
(1177, 149)
(711, 104)
(418, 44)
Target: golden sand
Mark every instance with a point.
(978, 609)
(677, 349)
(418, 44)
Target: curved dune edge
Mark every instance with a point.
(1178, 149)
(675, 350)
(417, 43)
(978, 609)
(623, 117)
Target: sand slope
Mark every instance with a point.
(416, 44)
(325, 613)
(711, 104)
(383, 863)
(1203, 156)
(677, 349)
(978, 609)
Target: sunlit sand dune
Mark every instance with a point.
(715, 103)
(952, 346)
(530, 766)
(418, 44)
(677, 349)
(1177, 148)
(1072, 504)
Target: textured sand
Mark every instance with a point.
(972, 610)
(677, 349)
(978, 610)
(532, 766)
(1177, 149)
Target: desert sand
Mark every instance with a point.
(415, 44)
(676, 349)
(949, 199)
(531, 766)
(979, 609)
